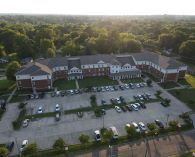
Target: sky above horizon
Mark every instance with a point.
(99, 7)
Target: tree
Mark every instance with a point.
(3, 152)
(30, 149)
(84, 139)
(166, 40)
(153, 129)
(2, 51)
(12, 69)
(51, 52)
(134, 46)
(47, 47)
(187, 49)
(131, 131)
(173, 124)
(107, 135)
(59, 144)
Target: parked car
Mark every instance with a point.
(123, 109)
(137, 85)
(103, 102)
(117, 108)
(40, 109)
(136, 127)
(129, 108)
(57, 93)
(103, 111)
(57, 116)
(57, 108)
(127, 125)
(159, 124)
(118, 101)
(115, 88)
(111, 88)
(138, 105)
(62, 93)
(24, 143)
(114, 132)
(121, 87)
(122, 99)
(10, 146)
(135, 108)
(53, 94)
(131, 85)
(126, 86)
(76, 91)
(71, 92)
(98, 89)
(140, 97)
(97, 135)
(142, 126)
(142, 105)
(25, 123)
(112, 101)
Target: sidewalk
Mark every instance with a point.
(164, 146)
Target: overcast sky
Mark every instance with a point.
(99, 7)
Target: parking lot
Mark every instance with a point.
(45, 131)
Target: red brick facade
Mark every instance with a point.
(41, 84)
(24, 84)
(96, 72)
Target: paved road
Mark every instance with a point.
(159, 147)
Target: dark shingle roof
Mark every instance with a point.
(162, 61)
(74, 62)
(124, 59)
(28, 70)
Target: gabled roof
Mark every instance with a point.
(74, 62)
(124, 59)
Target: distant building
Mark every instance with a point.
(26, 60)
(43, 73)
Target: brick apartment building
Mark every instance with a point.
(42, 73)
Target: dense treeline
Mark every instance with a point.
(44, 36)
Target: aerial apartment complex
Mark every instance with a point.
(42, 73)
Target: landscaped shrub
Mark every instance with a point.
(18, 122)
(21, 105)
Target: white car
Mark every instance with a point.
(126, 86)
(142, 126)
(134, 107)
(118, 109)
(24, 143)
(136, 126)
(127, 125)
(25, 123)
(57, 108)
(57, 93)
(40, 109)
(97, 135)
(118, 101)
(137, 85)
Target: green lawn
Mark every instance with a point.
(65, 84)
(6, 86)
(169, 85)
(183, 82)
(185, 95)
(133, 80)
(191, 80)
(96, 81)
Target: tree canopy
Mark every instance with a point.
(12, 69)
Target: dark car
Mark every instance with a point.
(112, 101)
(142, 105)
(159, 124)
(115, 88)
(121, 87)
(103, 102)
(62, 93)
(3, 104)
(123, 108)
(10, 146)
(129, 108)
(122, 99)
(53, 94)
